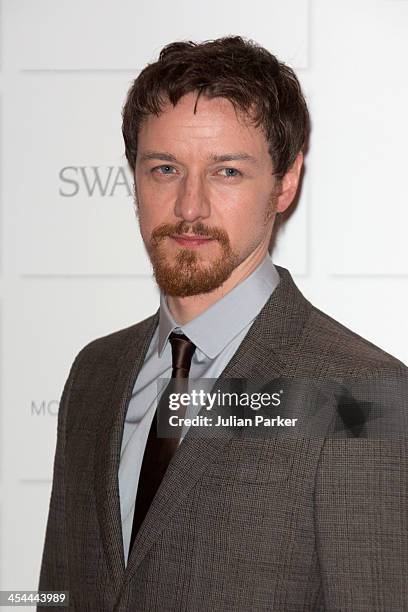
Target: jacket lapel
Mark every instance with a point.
(109, 441)
(262, 355)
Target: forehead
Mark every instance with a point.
(215, 124)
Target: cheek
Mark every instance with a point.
(147, 222)
(244, 217)
(156, 203)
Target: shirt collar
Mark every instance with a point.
(212, 330)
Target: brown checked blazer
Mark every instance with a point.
(239, 523)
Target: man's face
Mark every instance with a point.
(205, 193)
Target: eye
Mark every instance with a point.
(231, 172)
(165, 170)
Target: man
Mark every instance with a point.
(215, 135)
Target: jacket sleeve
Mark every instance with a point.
(54, 574)
(361, 512)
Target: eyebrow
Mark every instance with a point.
(163, 156)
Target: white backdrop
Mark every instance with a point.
(72, 263)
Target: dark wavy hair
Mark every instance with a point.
(232, 67)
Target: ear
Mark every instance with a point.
(289, 184)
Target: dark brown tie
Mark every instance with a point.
(160, 449)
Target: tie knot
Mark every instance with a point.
(182, 352)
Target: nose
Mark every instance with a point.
(192, 201)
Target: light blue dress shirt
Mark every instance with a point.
(217, 332)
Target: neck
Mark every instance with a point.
(184, 309)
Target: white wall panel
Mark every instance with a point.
(101, 34)
(69, 182)
(361, 134)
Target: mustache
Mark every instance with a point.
(182, 227)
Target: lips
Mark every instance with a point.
(190, 240)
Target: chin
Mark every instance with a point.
(186, 277)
